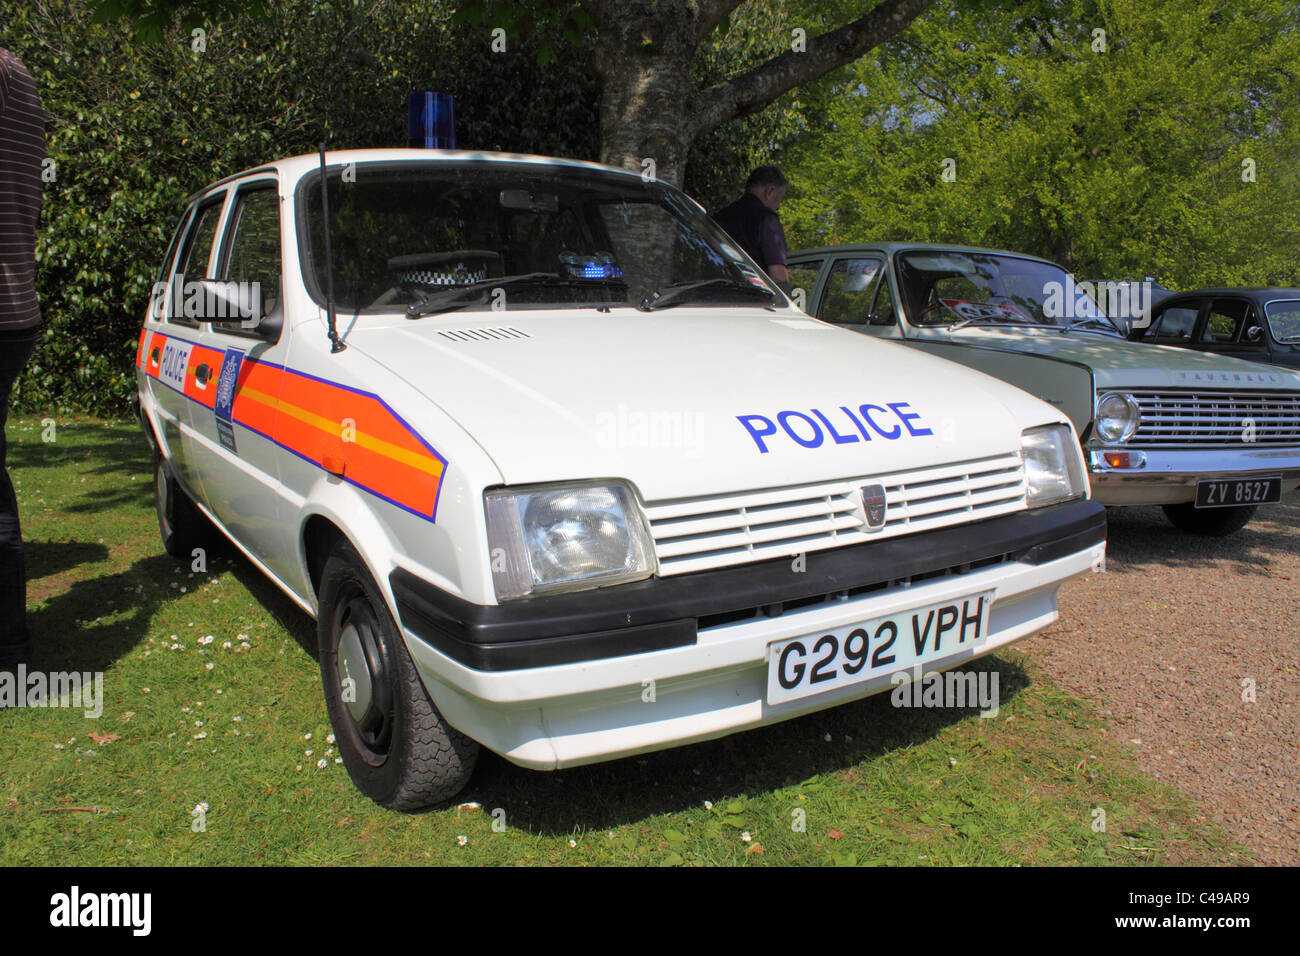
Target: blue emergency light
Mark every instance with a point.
(432, 121)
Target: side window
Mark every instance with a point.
(1172, 327)
(803, 277)
(196, 253)
(849, 289)
(1227, 321)
(157, 297)
(253, 250)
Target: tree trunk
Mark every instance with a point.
(644, 57)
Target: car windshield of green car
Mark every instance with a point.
(959, 289)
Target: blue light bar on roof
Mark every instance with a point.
(432, 121)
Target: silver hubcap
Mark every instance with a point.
(354, 674)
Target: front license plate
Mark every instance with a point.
(820, 662)
(1231, 492)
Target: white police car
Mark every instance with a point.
(560, 473)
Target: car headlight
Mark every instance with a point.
(1053, 466)
(1117, 417)
(565, 538)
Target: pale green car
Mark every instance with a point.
(1210, 438)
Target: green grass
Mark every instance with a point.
(888, 786)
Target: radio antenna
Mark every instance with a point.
(336, 344)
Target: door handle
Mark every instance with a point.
(201, 374)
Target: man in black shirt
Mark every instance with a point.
(22, 150)
(753, 223)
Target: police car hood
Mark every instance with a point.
(696, 401)
(1118, 363)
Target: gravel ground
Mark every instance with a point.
(1169, 643)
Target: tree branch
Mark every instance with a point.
(750, 92)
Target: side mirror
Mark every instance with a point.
(1254, 333)
(881, 320)
(214, 300)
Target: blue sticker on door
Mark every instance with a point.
(225, 399)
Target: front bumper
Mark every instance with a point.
(709, 677)
(1169, 475)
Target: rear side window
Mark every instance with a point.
(157, 298)
(1225, 320)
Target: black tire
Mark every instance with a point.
(396, 746)
(1211, 522)
(181, 525)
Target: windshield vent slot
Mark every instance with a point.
(482, 335)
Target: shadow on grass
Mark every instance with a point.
(608, 795)
(48, 558)
(1143, 537)
(98, 620)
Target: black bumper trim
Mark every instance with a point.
(660, 613)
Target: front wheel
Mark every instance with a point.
(396, 746)
(1211, 522)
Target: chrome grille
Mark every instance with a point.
(693, 534)
(1214, 418)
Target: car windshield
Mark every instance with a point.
(425, 237)
(962, 288)
(1284, 319)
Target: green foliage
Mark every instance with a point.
(1125, 161)
(133, 127)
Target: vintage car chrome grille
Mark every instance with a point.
(1212, 418)
(693, 534)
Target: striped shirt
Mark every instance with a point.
(22, 149)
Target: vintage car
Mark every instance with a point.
(1258, 325)
(1206, 436)
(560, 473)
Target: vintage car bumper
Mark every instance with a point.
(1168, 476)
(580, 695)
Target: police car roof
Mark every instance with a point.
(294, 167)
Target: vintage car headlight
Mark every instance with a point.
(1053, 466)
(1117, 417)
(565, 538)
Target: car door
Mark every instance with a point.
(856, 294)
(237, 382)
(169, 349)
(1227, 330)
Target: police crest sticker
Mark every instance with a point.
(873, 504)
(225, 398)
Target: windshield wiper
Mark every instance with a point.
(679, 291)
(1104, 323)
(446, 299)
(971, 319)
